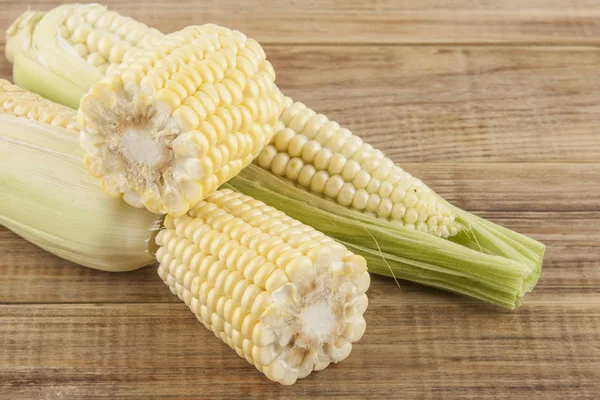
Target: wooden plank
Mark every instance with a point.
(573, 229)
(419, 350)
(33, 276)
(467, 104)
(514, 187)
(326, 21)
(480, 97)
(439, 104)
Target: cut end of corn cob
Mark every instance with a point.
(326, 159)
(19, 33)
(285, 297)
(185, 116)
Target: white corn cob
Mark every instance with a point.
(21, 103)
(61, 53)
(285, 297)
(99, 36)
(167, 129)
(324, 158)
(103, 37)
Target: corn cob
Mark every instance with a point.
(17, 102)
(98, 36)
(183, 118)
(306, 147)
(285, 297)
(326, 159)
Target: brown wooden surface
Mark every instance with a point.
(495, 104)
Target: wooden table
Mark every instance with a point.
(495, 104)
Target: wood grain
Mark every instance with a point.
(357, 21)
(459, 104)
(494, 104)
(443, 349)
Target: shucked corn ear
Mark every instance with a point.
(285, 297)
(326, 159)
(306, 147)
(16, 102)
(167, 129)
(98, 36)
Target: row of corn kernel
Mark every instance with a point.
(321, 156)
(102, 37)
(23, 103)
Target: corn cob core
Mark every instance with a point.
(168, 128)
(285, 297)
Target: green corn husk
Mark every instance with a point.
(485, 261)
(45, 65)
(49, 198)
